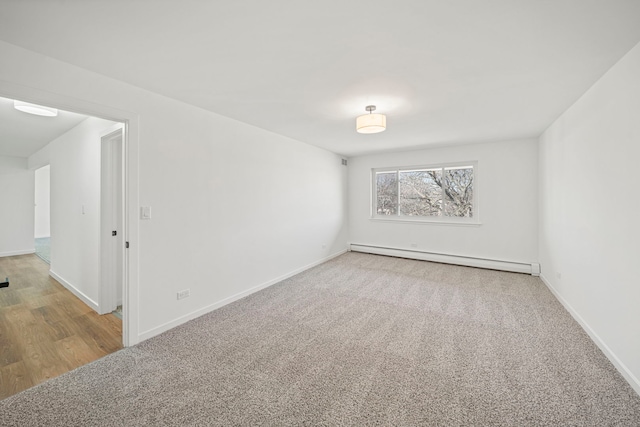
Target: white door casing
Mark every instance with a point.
(111, 220)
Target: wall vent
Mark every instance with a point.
(344, 162)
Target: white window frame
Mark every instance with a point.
(474, 220)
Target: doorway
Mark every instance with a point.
(77, 176)
(130, 163)
(42, 214)
(51, 308)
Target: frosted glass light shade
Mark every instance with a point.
(371, 123)
(38, 110)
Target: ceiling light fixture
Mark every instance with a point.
(38, 110)
(371, 123)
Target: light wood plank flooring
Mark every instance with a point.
(45, 330)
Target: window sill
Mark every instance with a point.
(405, 220)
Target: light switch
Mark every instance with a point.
(145, 212)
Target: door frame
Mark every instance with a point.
(131, 144)
(111, 218)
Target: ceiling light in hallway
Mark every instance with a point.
(38, 110)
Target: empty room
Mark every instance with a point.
(339, 213)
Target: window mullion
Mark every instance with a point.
(398, 202)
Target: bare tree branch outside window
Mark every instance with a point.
(420, 193)
(459, 192)
(429, 192)
(387, 193)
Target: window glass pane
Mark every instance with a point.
(421, 192)
(387, 193)
(459, 191)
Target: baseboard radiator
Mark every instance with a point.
(517, 267)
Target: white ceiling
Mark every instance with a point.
(443, 71)
(22, 134)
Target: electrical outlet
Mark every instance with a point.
(184, 294)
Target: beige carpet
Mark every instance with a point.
(359, 340)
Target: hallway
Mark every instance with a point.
(45, 330)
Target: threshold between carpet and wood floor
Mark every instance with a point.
(359, 340)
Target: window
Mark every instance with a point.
(426, 193)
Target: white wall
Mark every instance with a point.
(75, 207)
(507, 197)
(590, 201)
(16, 207)
(39, 159)
(42, 198)
(233, 206)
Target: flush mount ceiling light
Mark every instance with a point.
(371, 123)
(38, 110)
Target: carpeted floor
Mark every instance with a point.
(359, 340)
(43, 248)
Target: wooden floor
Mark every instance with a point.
(45, 330)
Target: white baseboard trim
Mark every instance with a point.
(85, 299)
(517, 267)
(14, 253)
(183, 319)
(621, 367)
